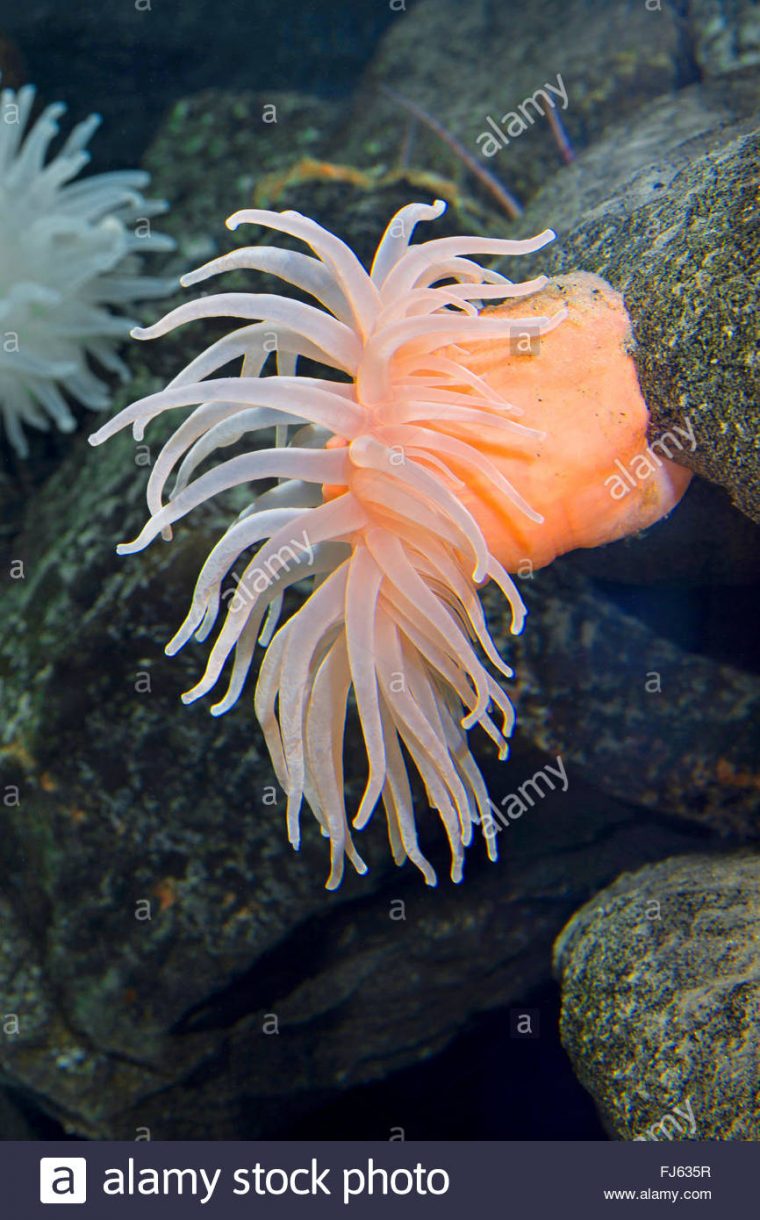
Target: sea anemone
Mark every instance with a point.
(398, 493)
(68, 257)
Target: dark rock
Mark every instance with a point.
(437, 57)
(212, 150)
(641, 718)
(217, 152)
(725, 35)
(660, 977)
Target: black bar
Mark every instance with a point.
(450, 1181)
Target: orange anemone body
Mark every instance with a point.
(592, 476)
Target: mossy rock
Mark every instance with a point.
(660, 979)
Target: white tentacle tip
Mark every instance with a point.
(224, 705)
(195, 692)
(518, 623)
(177, 642)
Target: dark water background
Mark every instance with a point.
(131, 65)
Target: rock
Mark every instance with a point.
(641, 718)
(725, 35)
(436, 55)
(660, 979)
(217, 153)
(213, 148)
(667, 218)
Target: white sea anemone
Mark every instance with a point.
(68, 258)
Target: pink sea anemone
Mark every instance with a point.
(387, 485)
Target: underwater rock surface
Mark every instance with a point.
(640, 717)
(437, 55)
(725, 34)
(660, 978)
